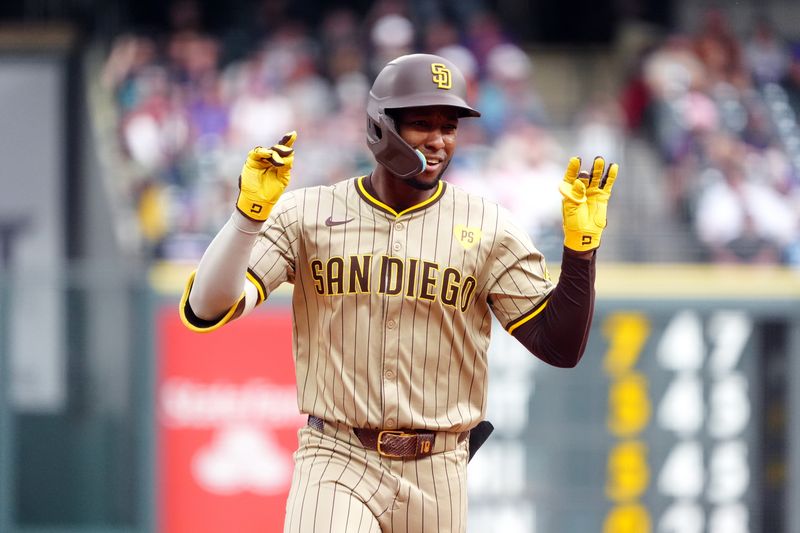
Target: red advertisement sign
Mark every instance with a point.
(227, 424)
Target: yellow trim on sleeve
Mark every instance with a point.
(259, 286)
(194, 327)
(527, 318)
(414, 207)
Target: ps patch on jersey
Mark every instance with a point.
(466, 236)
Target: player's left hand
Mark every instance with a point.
(585, 202)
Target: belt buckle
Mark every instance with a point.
(396, 432)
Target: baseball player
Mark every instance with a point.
(396, 276)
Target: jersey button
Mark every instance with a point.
(388, 374)
(390, 422)
(390, 324)
(399, 226)
(396, 247)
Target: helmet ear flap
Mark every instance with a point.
(374, 133)
(390, 150)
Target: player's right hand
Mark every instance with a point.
(264, 177)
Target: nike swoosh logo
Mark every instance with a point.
(330, 222)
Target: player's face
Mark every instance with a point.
(431, 130)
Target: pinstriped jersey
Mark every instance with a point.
(391, 310)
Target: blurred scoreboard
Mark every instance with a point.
(679, 418)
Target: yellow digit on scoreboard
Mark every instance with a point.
(628, 519)
(629, 407)
(628, 472)
(627, 334)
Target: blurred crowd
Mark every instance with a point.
(190, 105)
(720, 109)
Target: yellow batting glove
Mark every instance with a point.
(264, 177)
(585, 203)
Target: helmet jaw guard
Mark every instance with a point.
(415, 80)
(391, 151)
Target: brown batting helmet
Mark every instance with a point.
(415, 80)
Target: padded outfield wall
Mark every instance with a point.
(682, 417)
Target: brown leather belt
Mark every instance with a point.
(392, 443)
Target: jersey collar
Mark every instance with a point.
(362, 190)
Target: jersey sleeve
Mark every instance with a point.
(519, 283)
(274, 254)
